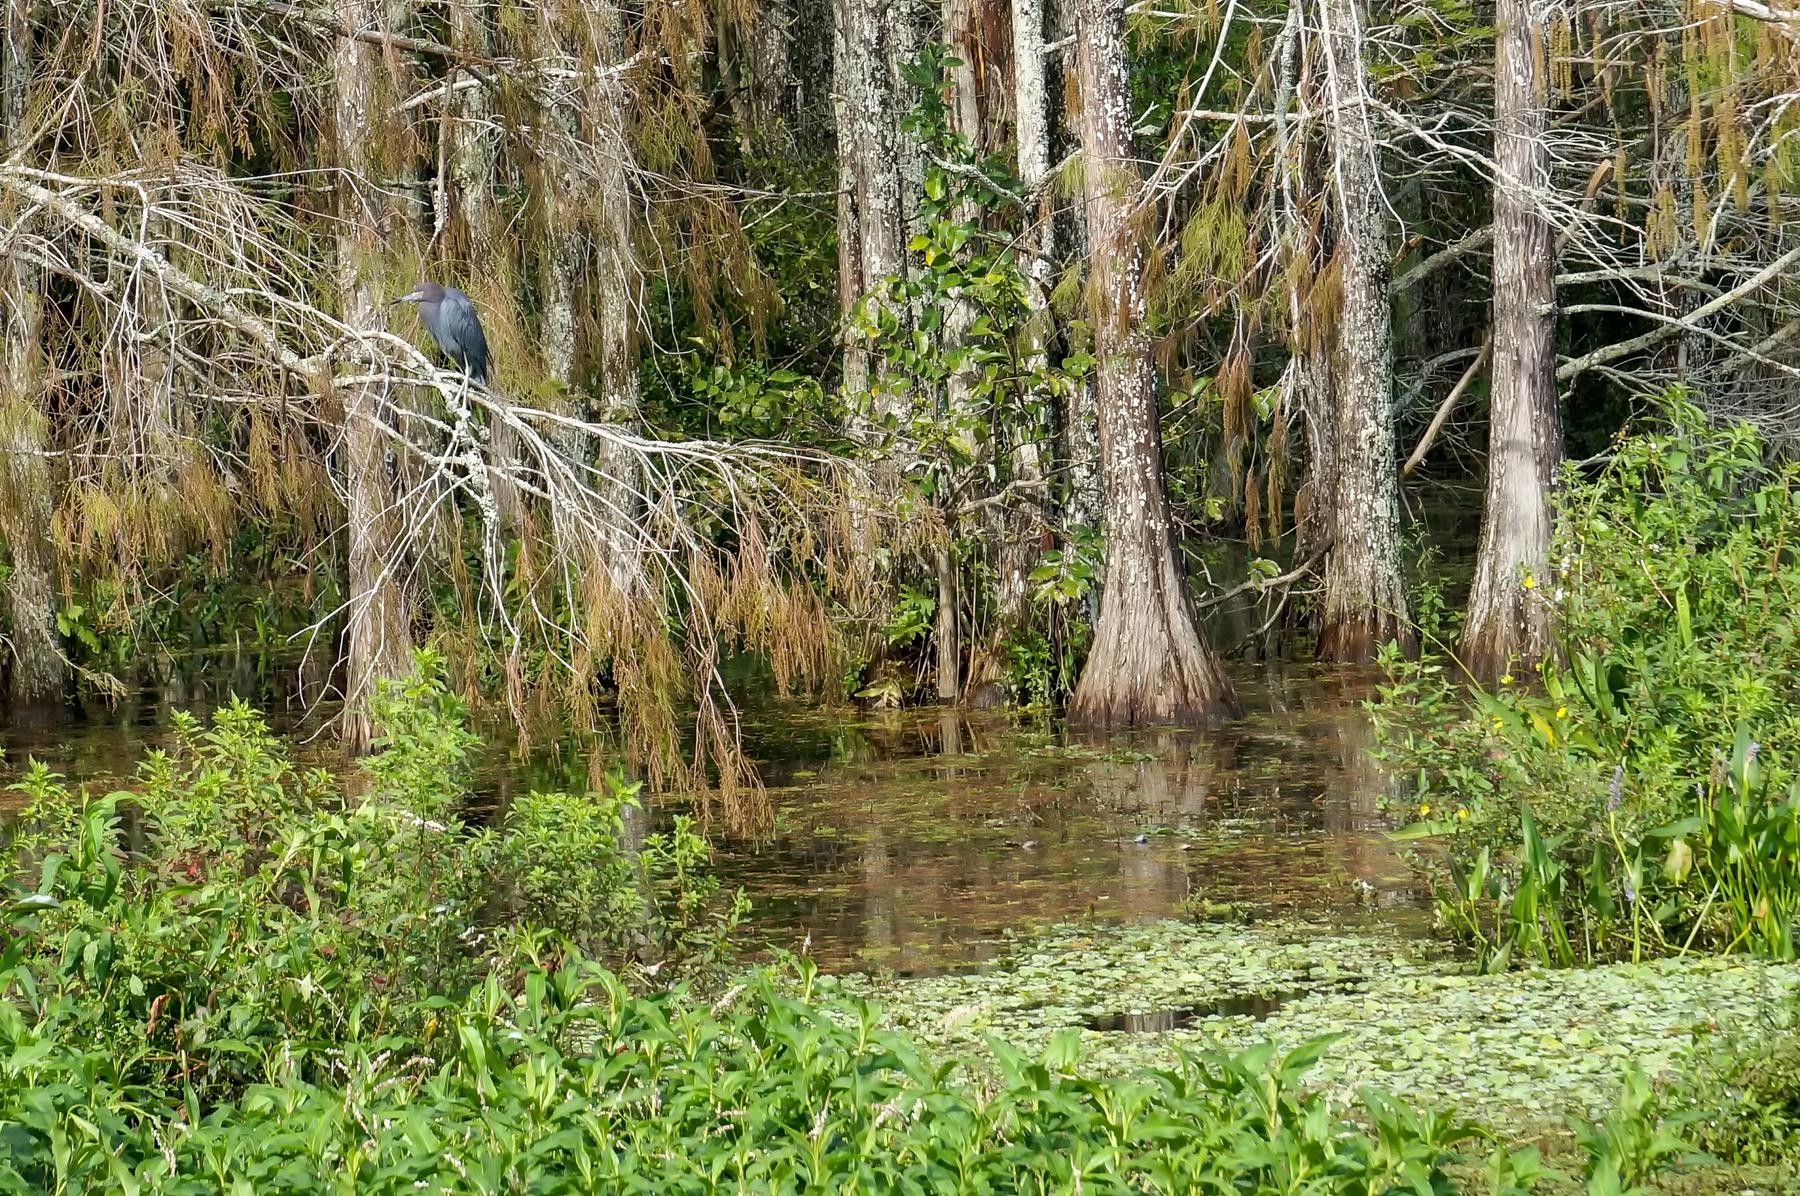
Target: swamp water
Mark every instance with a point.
(918, 841)
(1152, 894)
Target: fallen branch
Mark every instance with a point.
(1449, 404)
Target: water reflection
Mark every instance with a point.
(920, 837)
(916, 839)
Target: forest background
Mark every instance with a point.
(968, 353)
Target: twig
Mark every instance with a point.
(1263, 586)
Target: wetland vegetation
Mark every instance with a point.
(1034, 596)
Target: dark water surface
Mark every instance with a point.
(915, 840)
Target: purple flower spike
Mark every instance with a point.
(1615, 792)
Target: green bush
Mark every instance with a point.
(255, 905)
(236, 980)
(576, 1086)
(1637, 797)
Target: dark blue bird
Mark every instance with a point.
(450, 317)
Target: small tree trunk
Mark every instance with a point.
(473, 165)
(1510, 617)
(1365, 602)
(945, 631)
(845, 75)
(1024, 522)
(38, 674)
(379, 634)
(1148, 663)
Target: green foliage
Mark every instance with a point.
(1639, 799)
(253, 906)
(565, 860)
(573, 1085)
(562, 857)
(273, 988)
(751, 400)
(962, 382)
(1634, 1142)
(1745, 1093)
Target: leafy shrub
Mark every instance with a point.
(570, 872)
(256, 905)
(577, 1086)
(1638, 799)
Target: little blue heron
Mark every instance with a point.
(450, 317)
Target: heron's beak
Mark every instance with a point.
(413, 297)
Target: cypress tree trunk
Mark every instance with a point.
(1314, 517)
(845, 72)
(379, 634)
(869, 142)
(873, 226)
(38, 674)
(1365, 602)
(1080, 419)
(1510, 618)
(616, 298)
(1148, 663)
(473, 222)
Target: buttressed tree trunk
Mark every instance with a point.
(1365, 601)
(1510, 617)
(1148, 663)
(37, 671)
(379, 632)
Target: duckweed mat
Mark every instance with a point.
(1520, 1048)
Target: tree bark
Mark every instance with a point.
(474, 165)
(379, 633)
(1313, 519)
(846, 71)
(869, 141)
(38, 673)
(1083, 505)
(1148, 663)
(1365, 600)
(1510, 618)
(616, 297)
(873, 231)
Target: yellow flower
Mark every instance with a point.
(1462, 815)
(1530, 582)
(1424, 811)
(1506, 678)
(1498, 723)
(1562, 712)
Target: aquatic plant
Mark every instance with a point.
(1636, 798)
